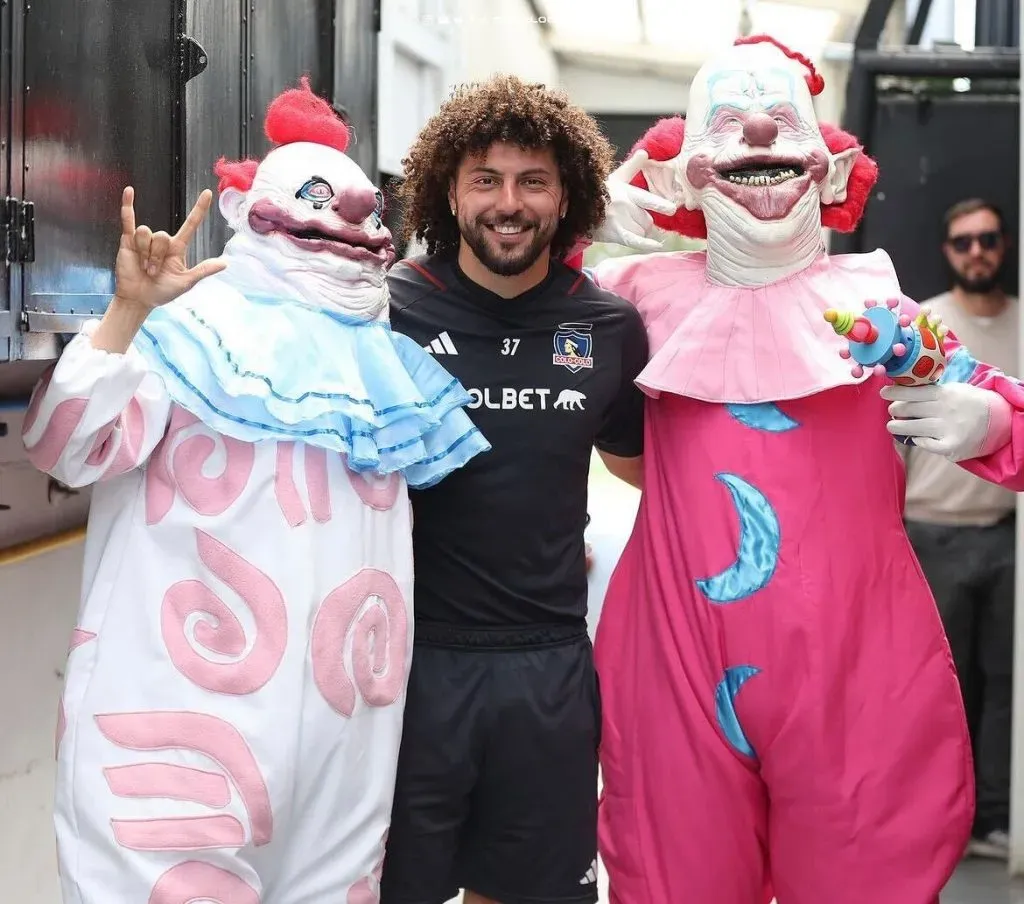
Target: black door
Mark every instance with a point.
(6, 123)
(98, 95)
(929, 157)
(256, 51)
(216, 104)
(356, 24)
(102, 91)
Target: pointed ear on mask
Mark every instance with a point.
(230, 202)
(833, 191)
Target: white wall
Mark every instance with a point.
(428, 46)
(417, 56)
(503, 36)
(600, 90)
(830, 104)
(941, 20)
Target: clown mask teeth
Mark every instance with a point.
(763, 177)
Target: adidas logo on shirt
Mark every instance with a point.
(442, 345)
(591, 877)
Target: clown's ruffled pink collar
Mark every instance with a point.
(736, 344)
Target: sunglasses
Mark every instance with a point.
(989, 241)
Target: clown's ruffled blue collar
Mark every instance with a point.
(255, 368)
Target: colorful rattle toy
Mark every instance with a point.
(909, 351)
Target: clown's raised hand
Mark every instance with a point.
(150, 271)
(627, 221)
(955, 420)
(151, 268)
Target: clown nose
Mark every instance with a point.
(760, 130)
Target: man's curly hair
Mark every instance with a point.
(504, 108)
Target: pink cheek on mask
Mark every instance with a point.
(818, 166)
(700, 171)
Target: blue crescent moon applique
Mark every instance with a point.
(725, 706)
(758, 553)
(766, 416)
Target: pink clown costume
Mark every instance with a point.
(782, 715)
(230, 724)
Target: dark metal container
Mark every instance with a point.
(101, 94)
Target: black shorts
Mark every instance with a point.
(497, 777)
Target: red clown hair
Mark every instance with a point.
(815, 82)
(664, 140)
(294, 115)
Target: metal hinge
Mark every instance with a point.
(17, 231)
(194, 59)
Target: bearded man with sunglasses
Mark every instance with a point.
(962, 528)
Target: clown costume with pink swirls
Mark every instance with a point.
(230, 723)
(781, 713)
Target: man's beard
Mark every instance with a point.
(977, 285)
(513, 261)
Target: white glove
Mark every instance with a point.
(955, 420)
(627, 221)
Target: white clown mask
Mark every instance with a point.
(314, 220)
(753, 158)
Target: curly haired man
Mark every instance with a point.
(497, 778)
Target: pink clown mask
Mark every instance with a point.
(307, 212)
(753, 159)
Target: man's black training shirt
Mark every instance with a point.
(500, 541)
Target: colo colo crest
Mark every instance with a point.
(574, 346)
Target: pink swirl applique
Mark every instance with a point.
(370, 610)
(180, 467)
(195, 881)
(219, 629)
(285, 490)
(207, 735)
(377, 492)
(118, 446)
